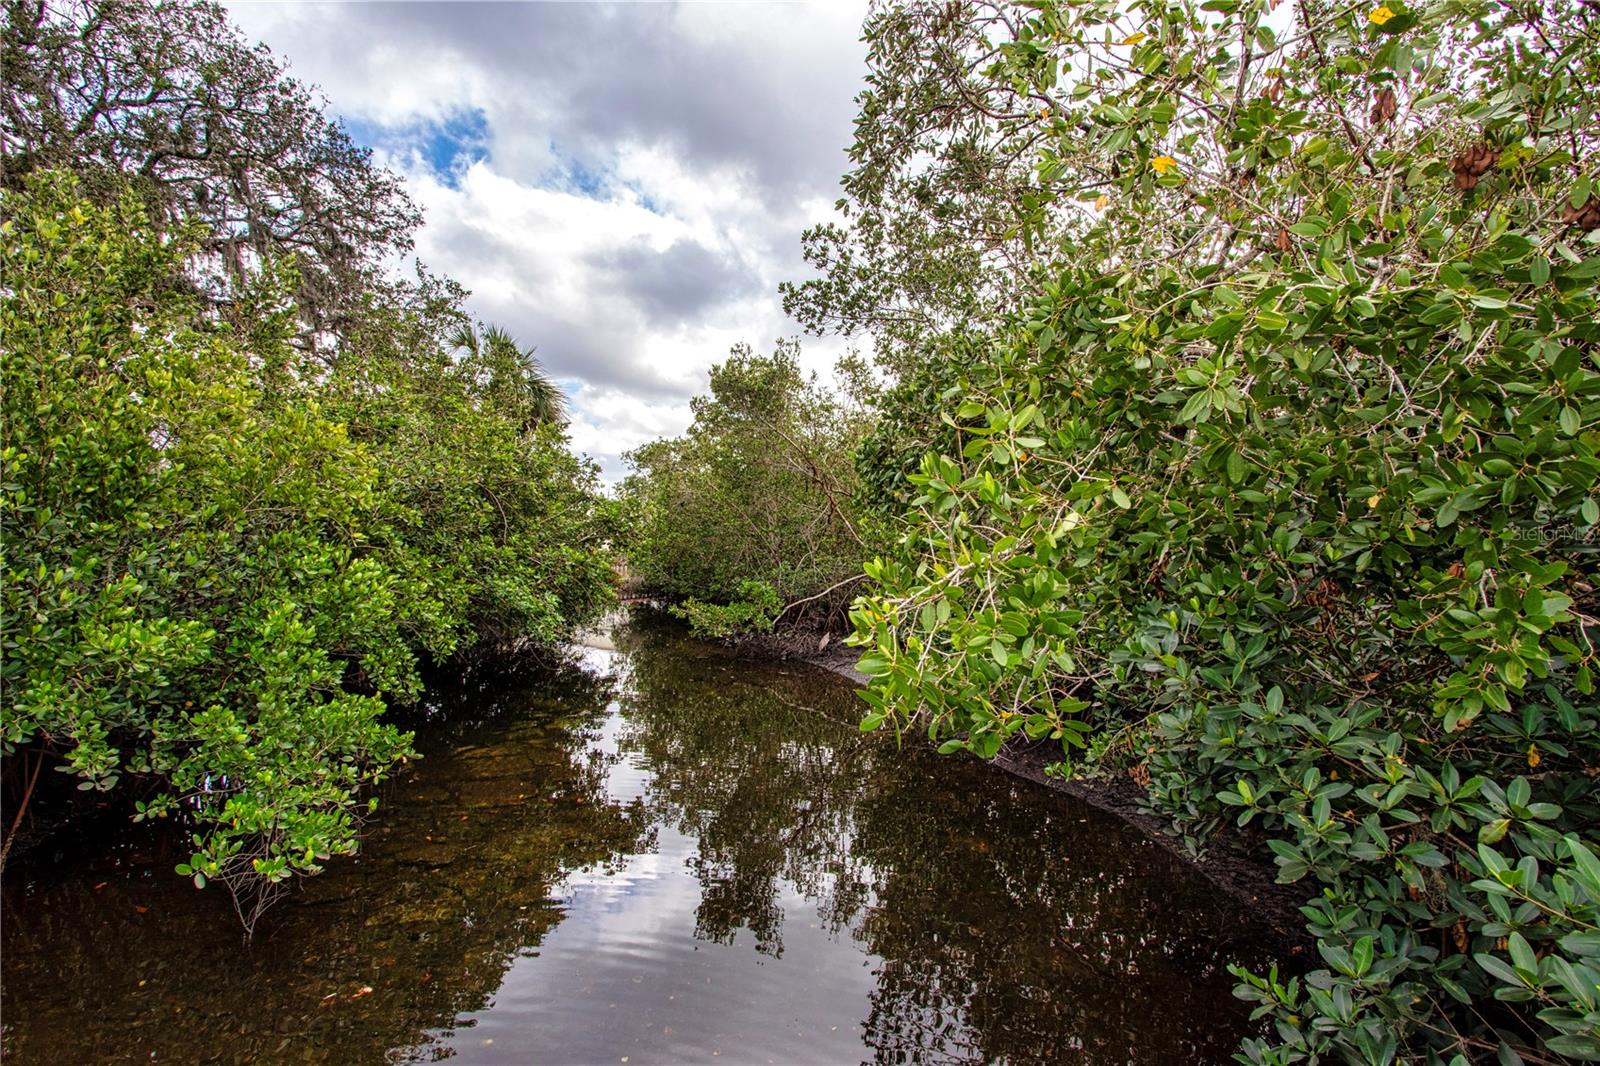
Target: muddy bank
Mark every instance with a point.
(826, 650)
(1243, 874)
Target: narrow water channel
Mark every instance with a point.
(658, 855)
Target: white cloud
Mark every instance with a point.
(639, 178)
(608, 422)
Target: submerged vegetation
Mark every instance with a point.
(250, 482)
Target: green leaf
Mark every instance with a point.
(1585, 866)
(1576, 1046)
(872, 664)
(1498, 969)
(1361, 955)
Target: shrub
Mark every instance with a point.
(753, 610)
(1283, 490)
(184, 582)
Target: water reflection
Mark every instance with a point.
(667, 855)
(1011, 926)
(109, 957)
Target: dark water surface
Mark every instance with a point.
(658, 856)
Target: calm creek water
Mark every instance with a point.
(659, 855)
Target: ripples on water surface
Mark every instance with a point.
(660, 855)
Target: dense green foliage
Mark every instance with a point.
(220, 565)
(1279, 490)
(241, 506)
(501, 532)
(751, 514)
(174, 603)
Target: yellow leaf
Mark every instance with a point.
(1379, 15)
(1375, 499)
(1101, 202)
(1044, 112)
(1533, 756)
(1163, 164)
(1135, 38)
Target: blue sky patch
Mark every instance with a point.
(645, 200)
(447, 146)
(571, 175)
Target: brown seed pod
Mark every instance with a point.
(1586, 217)
(1383, 108)
(1473, 164)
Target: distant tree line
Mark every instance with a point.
(751, 518)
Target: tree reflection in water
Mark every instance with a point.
(1013, 925)
(110, 957)
(1001, 924)
(749, 763)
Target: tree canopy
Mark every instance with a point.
(168, 97)
(753, 510)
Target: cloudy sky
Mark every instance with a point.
(622, 186)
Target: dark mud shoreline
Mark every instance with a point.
(1247, 877)
(806, 647)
